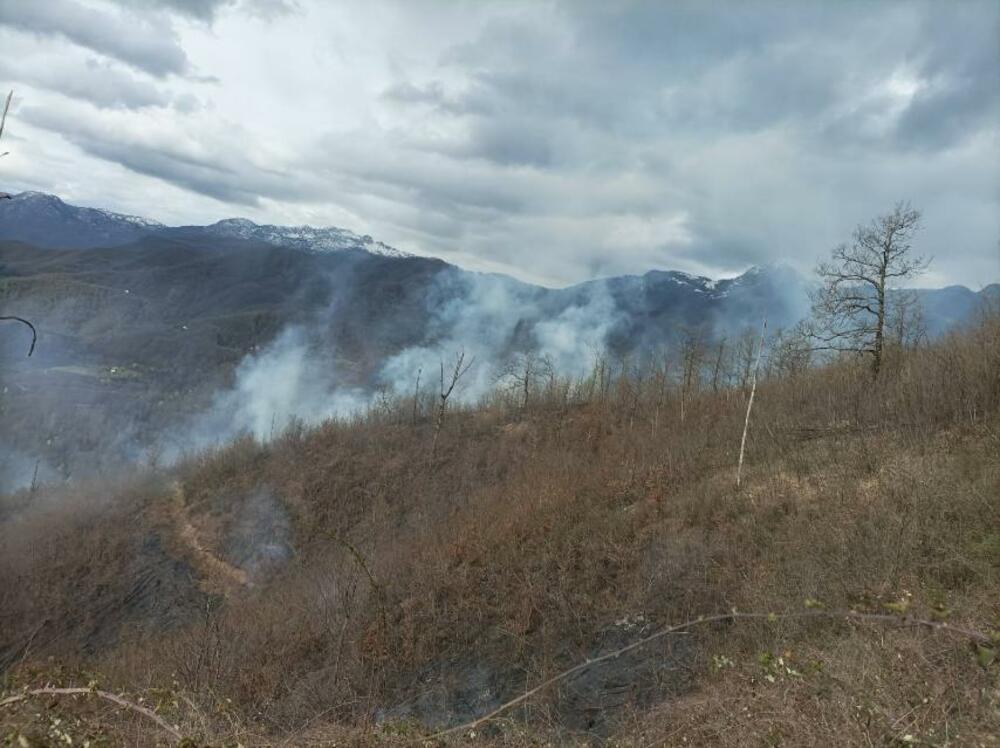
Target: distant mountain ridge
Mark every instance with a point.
(305, 238)
(46, 221)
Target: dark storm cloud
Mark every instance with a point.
(644, 69)
(750, 104)
(90, 80)
(208, 10)
(144, 43)
(213, 167)
(962, 67)
(203, 10)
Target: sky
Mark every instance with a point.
(553, 140)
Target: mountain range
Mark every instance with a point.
(46, 221)
(142, 326)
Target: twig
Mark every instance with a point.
(361, 562)
(372, 581)
(34, 332)
(888, 619)
(753, 391)
(145, 712)
(6, 108)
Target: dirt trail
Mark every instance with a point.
(215, 574)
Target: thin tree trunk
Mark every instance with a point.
(753, 391)
(416, 396)
(879, 326)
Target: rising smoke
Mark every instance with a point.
(295, 379)
(341, 354)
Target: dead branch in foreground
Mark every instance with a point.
(114, 698)
(974, 636)
(34, 332)
(885, 618)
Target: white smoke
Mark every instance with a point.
(488, 317)
(286, 382)
(574, 339)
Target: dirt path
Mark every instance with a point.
(215, 574)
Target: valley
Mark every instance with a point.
(144, 347)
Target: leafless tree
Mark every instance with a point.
(905, 321)
(601, 376)
(416, 396)
(630, 385)
(459, 370)
(692, 353)
(661, 383)
(720, 354)
(745, 356)
(790, 353)
(522, 373)
(850, 309)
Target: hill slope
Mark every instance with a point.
(365, 583)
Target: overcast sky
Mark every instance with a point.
(556, 141)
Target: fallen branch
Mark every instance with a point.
(894, 620)
(34, 332)
(107, 696)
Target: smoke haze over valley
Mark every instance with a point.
(235, 328)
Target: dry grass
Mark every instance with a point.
(432, 586)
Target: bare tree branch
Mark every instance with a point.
(852, 305)
(114, 698)
(976, 637)
(458, 371)
(34, 333)
(6, 108)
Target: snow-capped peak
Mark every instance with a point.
(45, 220)
(309, 238)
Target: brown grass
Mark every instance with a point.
(430, 586)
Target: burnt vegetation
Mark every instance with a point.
(376, 580)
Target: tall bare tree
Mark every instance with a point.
(692, 354)
(744, 357)
(460, 369)
(850, 309)
(720, 354)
